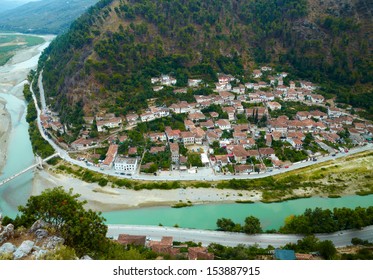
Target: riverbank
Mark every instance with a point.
(107, 199)
(342, 177)
(5, 128)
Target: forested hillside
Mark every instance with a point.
(107, 58)
(42, 17)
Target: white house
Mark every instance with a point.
(224, 124)
(110, 123)
(147, 117)
(274, 105)
(187, 137)
(257, 73)
(194, 82)
(126, 165)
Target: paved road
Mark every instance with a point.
(340, 239)
(41, 90)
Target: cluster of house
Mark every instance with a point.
(50, 121)
(152, 113)
(207, 128)
(165, 246)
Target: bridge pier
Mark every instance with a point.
(39, 162)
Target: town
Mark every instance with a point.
(239, 128)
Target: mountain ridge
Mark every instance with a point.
(43, 17)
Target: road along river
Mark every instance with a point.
(340, 239)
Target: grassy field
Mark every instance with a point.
(9, 44)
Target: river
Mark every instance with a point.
(20, 156)
(271, 215)
(19, 151)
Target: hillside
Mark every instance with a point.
(8, 5)
(42, 17)
(107, 58)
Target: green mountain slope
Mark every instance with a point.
(107, 58)
(43, 17)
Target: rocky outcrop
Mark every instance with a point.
(39, 253)
(6, 233)
(40, 244)
(41, 234)
(52, 242)
(7, 248)
(23, 250)
(39, 224)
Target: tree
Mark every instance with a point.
(252, 225)
(228, 225)
(94, 132)
(194, 159)
(327, 249)
(83, 230)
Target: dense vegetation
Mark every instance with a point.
(310, 243)
(240, 252)
(65, 213)
(114, 49)
(83, 230)
(326, 221)
(251, 225)
(39, 145)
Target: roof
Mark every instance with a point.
(251, 153)
(186, 134)
(239, 151)
(284, 254)
(132, 150)
(196, 116)
(228, 109)
(110, 155)
(126, 160)
(195, 253)
(222, 158)
(266, 151)
(243, 168)
(174, 147)
(274, 103)
(226, 94)
(132, 239)
(223, 122)
(155, 150)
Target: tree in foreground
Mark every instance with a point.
(252, 225)
(327, 249)
(83, 230)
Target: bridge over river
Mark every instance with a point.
(39, 163)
